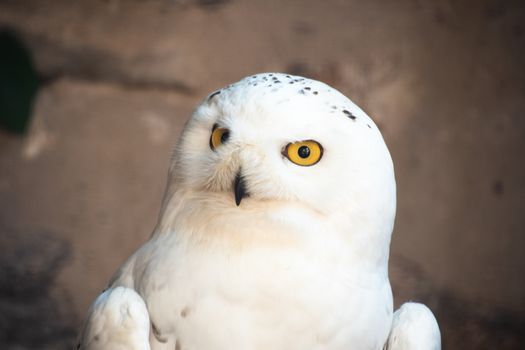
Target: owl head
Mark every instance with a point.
(284, 139)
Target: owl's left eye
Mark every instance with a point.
(218, 136)
(304, 153)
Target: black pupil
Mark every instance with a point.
(304, 152)
(225, 136)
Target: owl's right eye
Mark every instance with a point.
(218, 136)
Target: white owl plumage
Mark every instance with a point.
(255, 250)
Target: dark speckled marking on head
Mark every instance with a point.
(214, 94)
(275, 83)
(349, 114)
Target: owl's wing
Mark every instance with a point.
(414, 327)
(118, 319)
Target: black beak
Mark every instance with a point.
(239, 188)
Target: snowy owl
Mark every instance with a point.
(274, 233)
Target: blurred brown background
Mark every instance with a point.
(445, 81)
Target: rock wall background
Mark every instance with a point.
(445, 81)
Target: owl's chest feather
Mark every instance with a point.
(294, 297)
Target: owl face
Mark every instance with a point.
(282, 138)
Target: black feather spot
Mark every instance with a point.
(214, 94)
(349, 114)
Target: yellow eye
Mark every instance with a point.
(218, 136)
(304, 153)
